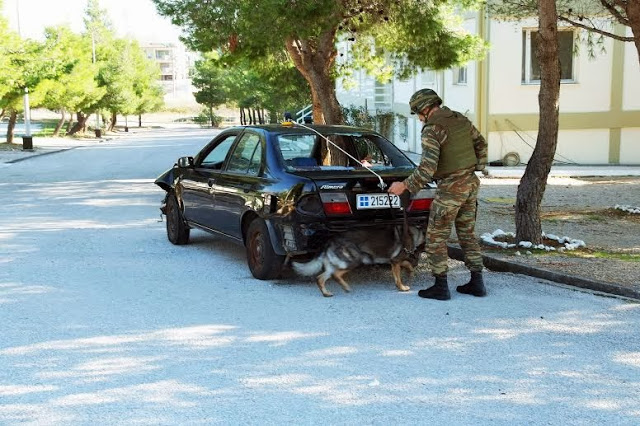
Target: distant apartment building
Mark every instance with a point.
(174, 62)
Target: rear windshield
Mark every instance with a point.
(311, 151)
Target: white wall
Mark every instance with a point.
(507, 94)
(574, 146)
(630, 146)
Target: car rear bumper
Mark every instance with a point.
(296, 239)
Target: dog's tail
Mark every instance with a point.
(313, 267)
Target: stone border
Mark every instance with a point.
(500, 265)
(38, 154)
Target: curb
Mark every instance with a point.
(500, 265)
(39, 154)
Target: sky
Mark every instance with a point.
(133, 18)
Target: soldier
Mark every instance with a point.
(452, 150)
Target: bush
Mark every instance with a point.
(382, 122)
(204, 119)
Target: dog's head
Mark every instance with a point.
(414, 242)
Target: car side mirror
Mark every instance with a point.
(184, 162)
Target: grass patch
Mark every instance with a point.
(627, 257)
(596, 215)
(500, 200)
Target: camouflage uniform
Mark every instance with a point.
(456, 196)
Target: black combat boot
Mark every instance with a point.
(475, 286)
(439, 291)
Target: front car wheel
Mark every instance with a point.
(177, 229)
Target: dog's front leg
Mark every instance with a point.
(396, 270)
(338, 277)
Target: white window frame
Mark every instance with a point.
(527, 57)
(460, 76)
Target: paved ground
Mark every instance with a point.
(568, 187)
(106, 322)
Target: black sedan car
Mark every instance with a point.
(283, 190)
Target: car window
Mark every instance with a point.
(293, 146)
(215, 158)
(247, 155)
(369, 153)
(304, 151)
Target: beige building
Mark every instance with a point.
(599, 97)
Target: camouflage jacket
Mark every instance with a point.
(433, 137)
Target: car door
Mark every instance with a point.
(197, 193)
(236, 186)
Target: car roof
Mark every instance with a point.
(324, 129)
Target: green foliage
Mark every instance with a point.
(207, 117)
(272, 84)
(76, 89)
(418, 35)
(251, 28)
(382, 122)
(411, 34)
(209, 78)
(127, 76)
(358, 116)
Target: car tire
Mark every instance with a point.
(263, 261)
(177, 229)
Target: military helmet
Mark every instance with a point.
(422, 99)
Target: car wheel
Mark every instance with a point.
(263, 261)
(177, 229)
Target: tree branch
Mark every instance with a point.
(615, 12)
(594, 30)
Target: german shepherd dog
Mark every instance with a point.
(351, 249)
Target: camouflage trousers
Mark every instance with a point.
(456, 204)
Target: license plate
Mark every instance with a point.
(376, 201)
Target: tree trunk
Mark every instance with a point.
(633, 14)
(56, 131)
(315, 62)
(70, 123)
(113, 121)
(211, 115)
(80, 124)
(533, 183)
(11, 125)
(139, 120)
(242, 122)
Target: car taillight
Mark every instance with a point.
(420, 204)
(335, 203)
(421, 201)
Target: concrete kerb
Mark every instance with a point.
(46, 146)
(495, 263)
(38, 154)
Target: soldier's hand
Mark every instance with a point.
(397, 188)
